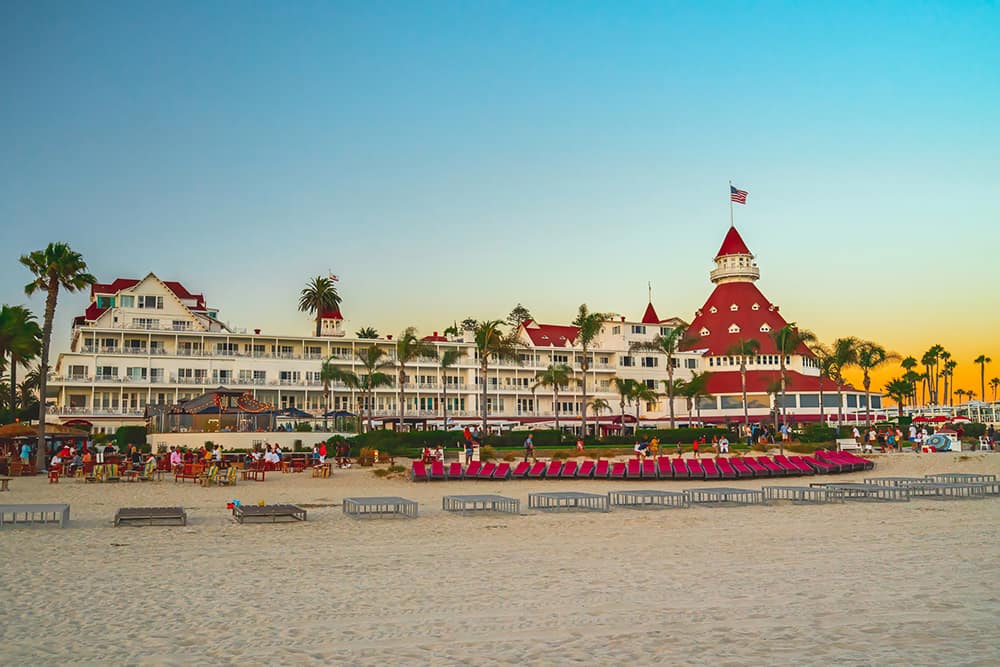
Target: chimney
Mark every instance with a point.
(623, 318)
(389, 337)
(257, 331)
(435, 334)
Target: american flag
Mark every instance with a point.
(738, 196)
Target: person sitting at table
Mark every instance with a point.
(175, 458)
(425, 456)
(77, 462)
(439, 453)
(56, 461)
(136, 458)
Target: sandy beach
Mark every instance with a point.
(857, 584)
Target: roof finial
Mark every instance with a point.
(649, 287)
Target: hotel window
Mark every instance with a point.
(650, 383)
(649, 362)
(616, 331)
(638, 329)
(259, 377)
(734, 329)
(288, 377)
(764, 328)
(107, 372)
(136, 373)
(152, 302)
(756, 306)
(690, 363)
(180, 325)
(109, 343)
(605, 384)
(127, 301)
(703, 332)
(627, 362)
(77, 372)
(145, 323)
(156, 375)
(105, 302)
(284, 351)
(222, 377)
(560, 358)
(734, 307)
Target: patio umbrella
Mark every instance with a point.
(17, 430)
(940, 419)
(921, 419)
(960, 418)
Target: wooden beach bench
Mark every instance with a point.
(647, 499)
(481, 503)
(34, 514)
(147, 516)
(380, 506)
(268, 513)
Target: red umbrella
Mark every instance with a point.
(939, 419)
(921, 419)
(960, 418)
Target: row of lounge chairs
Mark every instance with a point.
(663, 467)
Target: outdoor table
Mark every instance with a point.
(569, 500)
(35, 514)
(378, 506)
(647, 498)
(481, 503)
(253, 474)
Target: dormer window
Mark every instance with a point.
(756, 306)
(713, 310)
(771, 308)
(703, 332)
(734, 329)
(764, 328)
(734, 307)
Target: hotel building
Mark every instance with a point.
(151, 342)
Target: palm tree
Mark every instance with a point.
(693, 390)
(319, 296)
(555, 376)
(994, 383)
(742, 349)
(667, 344)
(327, 375)
(599, 405)
(788, 339)
(931, 360)
(624, 389)
(642, 393)
(366, 332)
(898, 389)
(409, 348)
(961, 393)
(845, 351)
(826, 362)
(447, 360)
(372, 359)
(948, 372)
(869, 357)
(910, 375)
(56, 266)
(21, 339)
(493, 343)
(982, 360)
(589, 327)
(913, 378)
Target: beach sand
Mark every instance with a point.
(855, 584)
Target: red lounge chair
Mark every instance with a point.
(772, 467)
(555, 467)
(569, 469)
(740, 468)
(820, 467)
(586, 469)
(473, 469)
(726, 470)
(521, 470)
(602, 469)
(618, 470)
(695, 469)
(419, 472)
(502, 472)
(786, 465)
(633, 470)
(757, 468)
(649, 469)
(437, 470)
(486, 472)
(537, 470)
(711, 470)
(663, 468)
(679, 468)
(800, 465)
(455, 471)
(832, 460)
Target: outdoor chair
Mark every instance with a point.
(537, 470)
(473, 470)
(773, 468)
(148, 471)
(786, 465)
(726, 470)
(569, 469)
(437, 470)
(695, 469)
(648, 469)
(486, 471)
(679, 468)
(228, 478)
(210, 476)
(502, 471)
(821, 467)
(419, 472)
(757, 468)
(521, 470)
(602, 469)
(741, 468)
(618, 470)
(555, 467)
(111, 473)
(586, 469)
(634, 469)
(663, 469)
(799, 464)
(455, 471)
(710, 469)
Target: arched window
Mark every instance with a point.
(703, 332)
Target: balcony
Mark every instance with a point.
(99, 412)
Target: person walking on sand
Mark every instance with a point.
(694, 447)
(529, 448)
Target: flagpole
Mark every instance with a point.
(731, 223)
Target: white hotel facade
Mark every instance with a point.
(152, 342)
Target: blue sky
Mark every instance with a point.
(453, 159)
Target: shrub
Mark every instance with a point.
(758, 447)
(973, 430)
(818, 433)
(381, 472)
(131, 435)
(303, 427)
(487, 453)
(395, 469)
(509, 458)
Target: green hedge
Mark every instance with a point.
(818, 433)
(131, 435)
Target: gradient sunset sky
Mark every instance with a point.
(453, 159)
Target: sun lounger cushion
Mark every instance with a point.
(649, 469)
(634, 469)
(618, 470)
(586, 469)
(663, 468)
(437, 470)
(569, 469)
(726, 470)
(602, 468)
(537, 470)
(711, 470)
(521, 470)
(679, 468)
(502, 471)
(419, 472)
(695, 469)
(486, 471)
(740, 468)
(473, 469)
(455, 470)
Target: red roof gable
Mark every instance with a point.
(181, 293)
(113, 287)
(733, 244)
(331, 314)
(744, 296)
(93, 312)
(435, 338)
(550, 335)
(758, 382)
(650, 316)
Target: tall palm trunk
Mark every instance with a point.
(840, 403)
(402, 404)
(584, 365)
(622, 403)
(784, 397)
(326, 396)
(822, 414)
(868, 400)
(13, 386)
(670, 395)
(484, 368)
(743, 380)
(444, 404)
(370, 401)
(555, 399)
(43, 368)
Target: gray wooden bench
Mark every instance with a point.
(147, 516)
(724, 495)
(870, 492)
(802, 494)
(647, 499)
(34, 514)
(380, 506)
(268, 513)
(481, 503)
(569, 500)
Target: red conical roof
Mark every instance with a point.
(650, 316)
(733, 244)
